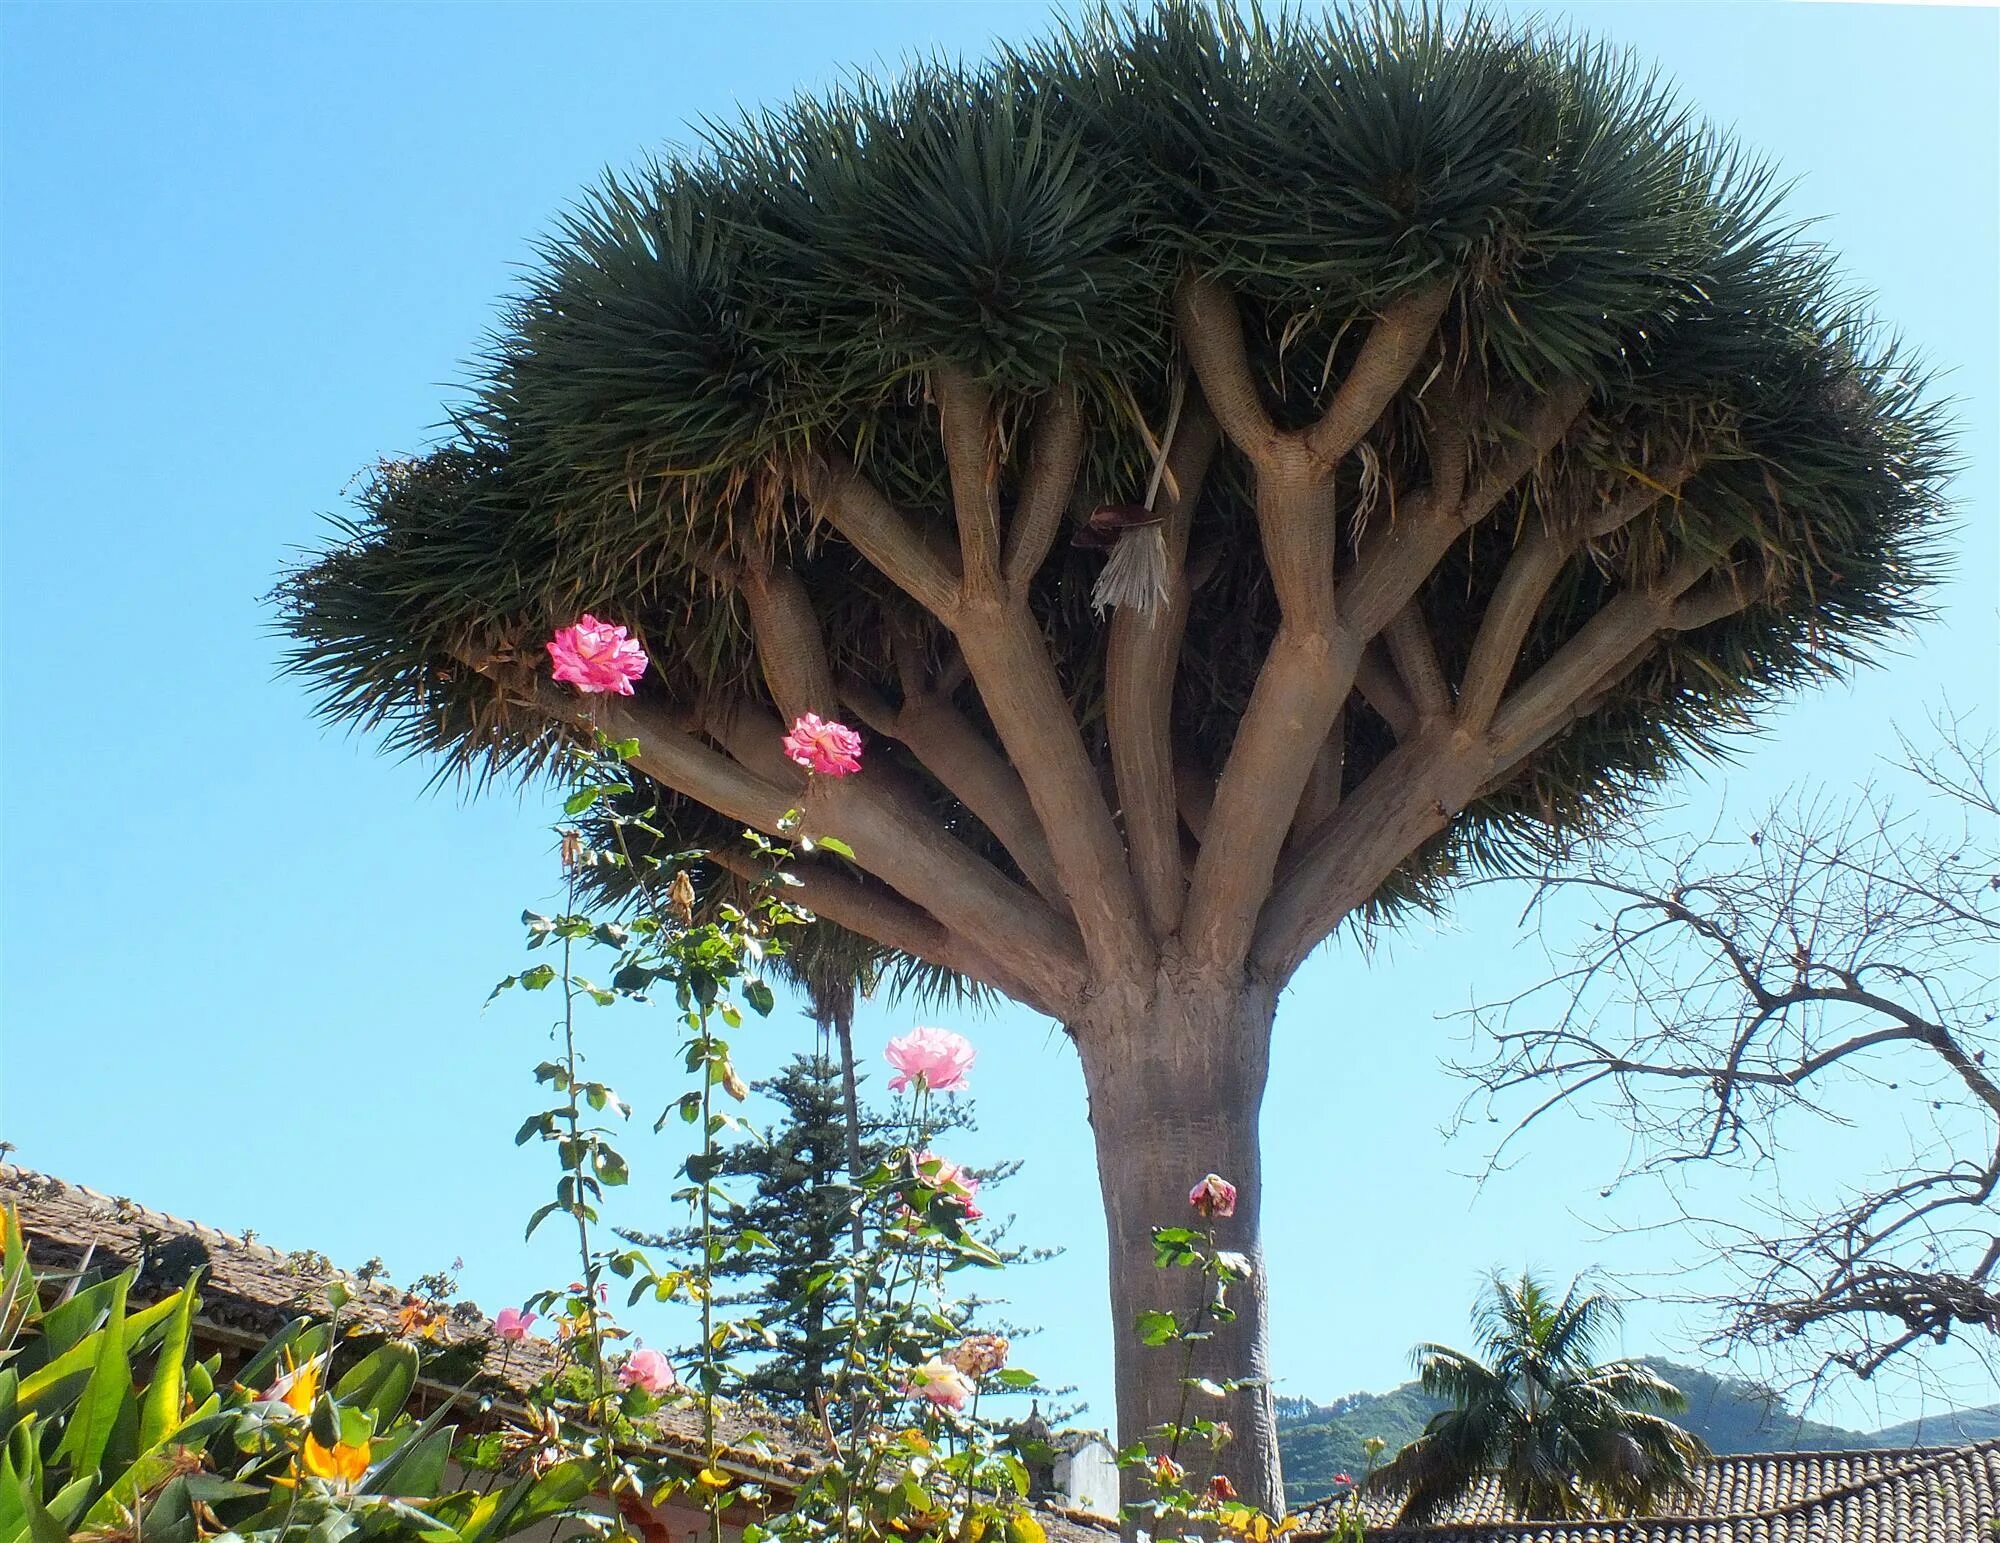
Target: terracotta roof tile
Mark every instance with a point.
(1918, 1495)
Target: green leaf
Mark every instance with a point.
(838, 847)
(1157, 1328)
(538, 977)
(581, 800)
(380, 1382)
(416, 1468)
(106, 1393)
(161, 1411)
(325, 1421)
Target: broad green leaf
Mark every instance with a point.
(42, 1527)
(380, 1382)
(161, 1411)
(417, 1468)
(106, 1393)
(67, 1325)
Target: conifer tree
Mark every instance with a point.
(791, 1184)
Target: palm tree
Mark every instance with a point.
(1567, 1436)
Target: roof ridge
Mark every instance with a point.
(134, 1212)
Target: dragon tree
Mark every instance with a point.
(1240, 474)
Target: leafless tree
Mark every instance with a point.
(1840, 962)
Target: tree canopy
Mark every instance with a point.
(1546, 340)
(1568, 1437)
(1472, 436)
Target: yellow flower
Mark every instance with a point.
(345, 1464)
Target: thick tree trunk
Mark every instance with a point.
(1176, 1078)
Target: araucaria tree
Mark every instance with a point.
(1469, 443)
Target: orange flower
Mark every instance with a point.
(295, 1388)
(345, 1464)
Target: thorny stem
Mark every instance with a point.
(1189, 1340)
(709, 1294)
(573, 1119)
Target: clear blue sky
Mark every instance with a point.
(246, 250)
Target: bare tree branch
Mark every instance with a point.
(1838, 964)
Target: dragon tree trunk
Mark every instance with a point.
(1176, 1080)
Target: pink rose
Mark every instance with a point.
(950, 1181)
(831, 749)
(512, 1324)
(647, 1370)
(595, 656)
(1213, 1196)
(935, 1058)
(939, 1382)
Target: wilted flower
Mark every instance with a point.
(1166, 1470)
(596, 656)
(1219, 1488)
(821, 745)
(977, 1355)
(680, 895)
(1213, 1196)
(511, 1323)
(939, 1382)
(936, 1059)
(647, 1370)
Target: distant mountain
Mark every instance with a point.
(1320, 1441)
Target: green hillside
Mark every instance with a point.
(1319, 1441)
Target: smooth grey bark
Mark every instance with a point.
(1176, 1080)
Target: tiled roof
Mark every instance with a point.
(249, 1291)
(1921, 1495)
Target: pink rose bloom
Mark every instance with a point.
(648, 1370)
(511, 1324)
(595, 656)
(939, 1382)
(950, 1181)
(936, 1059)
(1213, 1196)
(831, 749)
